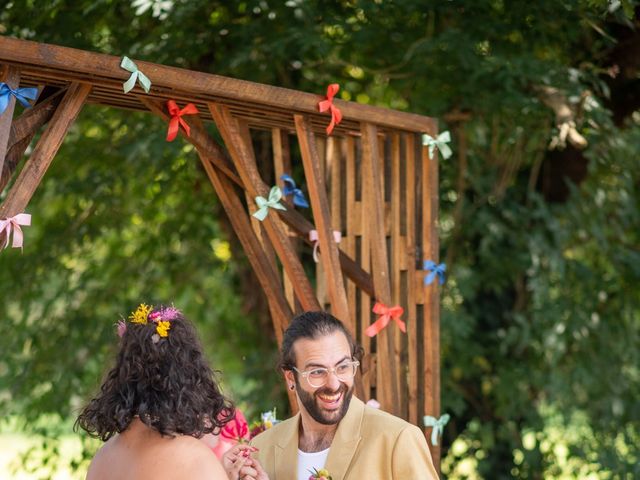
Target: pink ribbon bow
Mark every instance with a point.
(386, 314)
(313, 236)
(176, 118)
(327, 105)
(13, 224)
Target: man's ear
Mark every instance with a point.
(290, 378)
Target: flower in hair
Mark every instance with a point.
(141, 314)
(163, 328)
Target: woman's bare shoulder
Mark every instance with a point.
(193, 459)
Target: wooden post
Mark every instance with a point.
(35, 168)
(10, 76)
(431, 304)
(320, 207)
(387, 372)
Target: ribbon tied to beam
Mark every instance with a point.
(136, 76)
(23, 95)
(290, 188)
(386, 314)
(176, 118)
(440, 143)
(327, 105)
(438, 426)
(264, 204)
(435, 270)
(313, 237)
(12, 224)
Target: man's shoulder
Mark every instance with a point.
(379, 419)
(270, 435)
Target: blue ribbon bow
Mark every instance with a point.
(290, 189)
(435, 270)
(23, 95)
(440, 143)
(136, 75)
(264, 204)
(438, 426)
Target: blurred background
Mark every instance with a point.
(539, 219)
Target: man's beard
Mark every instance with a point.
(309, 401)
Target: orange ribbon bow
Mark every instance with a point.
(176, 118)
(327, 105)
(386, 314)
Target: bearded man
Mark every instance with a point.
(334, 430)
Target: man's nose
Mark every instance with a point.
(333, 382)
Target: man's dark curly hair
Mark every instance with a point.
(167, 383)
(313, 325)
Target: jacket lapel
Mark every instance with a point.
(286, 451)
(346, 440)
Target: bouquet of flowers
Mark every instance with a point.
(267, 420)
(238, 431)
(322, 474)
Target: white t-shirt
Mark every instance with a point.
(308, 461)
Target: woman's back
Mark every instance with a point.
(141, 453)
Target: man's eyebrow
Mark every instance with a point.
(313, 364)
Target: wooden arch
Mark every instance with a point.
(371, 179)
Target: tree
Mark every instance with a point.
(540, 315)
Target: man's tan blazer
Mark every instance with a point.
(369, 444)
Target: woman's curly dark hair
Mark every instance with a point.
(167, 383)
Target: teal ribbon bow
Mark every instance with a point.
(136, 76)
(264, 204)
(440, 143)
(438, 426)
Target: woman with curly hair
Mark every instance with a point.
(156, 403)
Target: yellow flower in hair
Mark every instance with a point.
(141, 314)
(163, 328)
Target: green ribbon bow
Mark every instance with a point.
(437, 424)
(265, 204)
(440, 143)
(136, 76)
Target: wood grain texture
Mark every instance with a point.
(44, 152)
(10, 76)
(320, 207)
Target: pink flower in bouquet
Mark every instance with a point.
(322, 474)
(237, 429)
(234, 432)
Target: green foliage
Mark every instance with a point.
(540, 314)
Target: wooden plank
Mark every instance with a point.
(320, 207)
(24, 129)
(387, 369)
(397, 249)
(282, 165)
(412, 320)
(47, 147)
(254, 185)
(10, 76)
(430, 248)
(89, 65)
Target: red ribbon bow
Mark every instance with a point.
(386, 314)
(327, 105)
(176, 118)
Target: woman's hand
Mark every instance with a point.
(239, 464)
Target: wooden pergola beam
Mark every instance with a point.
(10, 76)
(61, 61)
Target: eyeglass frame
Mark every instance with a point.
(306, 373)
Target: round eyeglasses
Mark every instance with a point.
(319, 376)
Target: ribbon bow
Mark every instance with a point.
(13, 224)
(327, 105)
(435, 270)
(438, 426)
(440, 143)
(313, 236)
(386, 314)
(176, 118)
(23, 95)
(136, 75)
(265, 204)
(291, 189)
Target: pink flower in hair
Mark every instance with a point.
(169, 313)
(122, 327)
